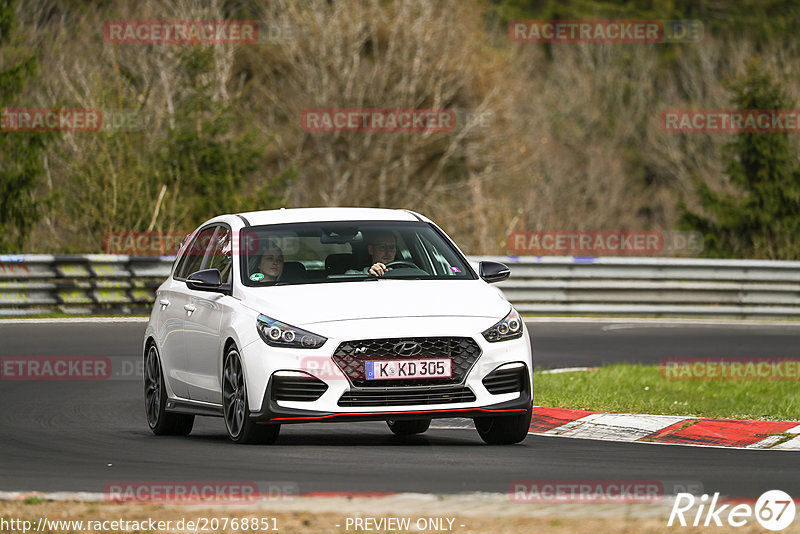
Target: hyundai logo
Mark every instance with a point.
(407, 348)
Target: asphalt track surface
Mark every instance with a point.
(84, 435)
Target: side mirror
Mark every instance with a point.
(493, 271)
(205, 280)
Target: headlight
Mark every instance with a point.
(278, 334)
(509, 328)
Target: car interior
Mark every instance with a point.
(311, 256)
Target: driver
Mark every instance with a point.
(381, 248)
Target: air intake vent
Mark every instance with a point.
(405, 397)
(506, 380)
(297, 387)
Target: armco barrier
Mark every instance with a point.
(681, 287)
(547, 285)
(32, 284)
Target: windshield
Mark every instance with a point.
(307, 253)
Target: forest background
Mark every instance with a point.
(561, 136)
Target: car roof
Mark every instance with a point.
(297, 215)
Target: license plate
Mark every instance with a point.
(405, 369)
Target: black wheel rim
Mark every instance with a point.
(233, 394)
(152, 387)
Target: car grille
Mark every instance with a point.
(351, 355)
(406, 397)
(506, 380)
(297, 388)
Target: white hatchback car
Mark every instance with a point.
(273, 317)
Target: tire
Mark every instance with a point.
(504, 429)
(409, 427)
(241, 429)
(159, 420)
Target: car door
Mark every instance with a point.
(173, 301)
(170, 300)
(204, 321)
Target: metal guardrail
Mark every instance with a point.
(668, 287)
(546, 285)
(33, 284)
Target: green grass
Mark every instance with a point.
(61, 315)
(722, 318)
(625, 388)
(33, 500)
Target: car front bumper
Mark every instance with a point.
(273, 412)
(264, 362)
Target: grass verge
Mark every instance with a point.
(626, 388)
(61, 315)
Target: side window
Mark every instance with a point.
(192, 260)
(221, 255)
(181, 259)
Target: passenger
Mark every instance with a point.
(270, 265)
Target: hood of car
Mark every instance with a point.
(307, 304)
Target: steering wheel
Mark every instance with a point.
(400, 263)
